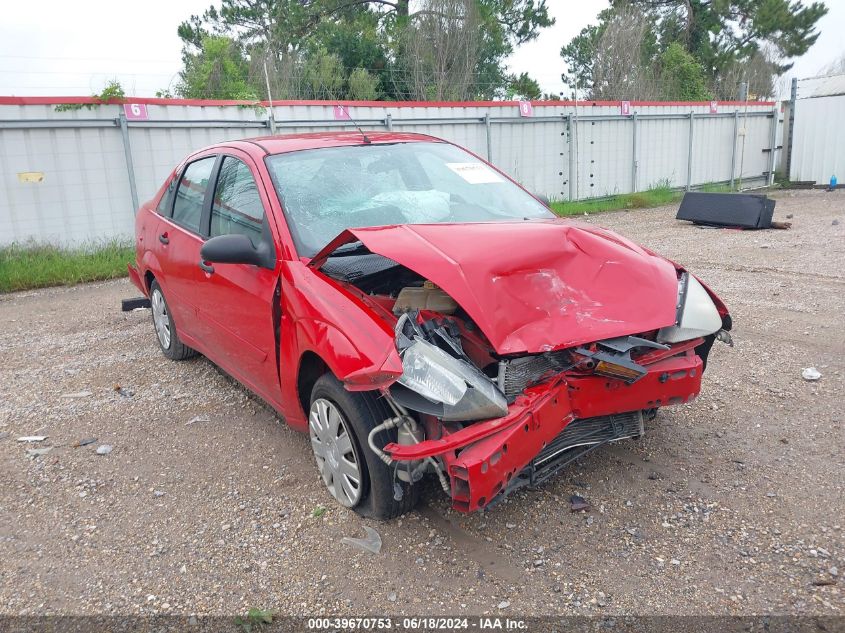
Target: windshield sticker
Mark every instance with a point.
(475, 173)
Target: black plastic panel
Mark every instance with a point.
(739, 210)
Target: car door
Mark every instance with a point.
(179, 235)
(238, 304)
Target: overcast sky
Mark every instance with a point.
(73, 48)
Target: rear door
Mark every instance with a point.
(238, 305)
(178, 239)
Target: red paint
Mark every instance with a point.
(569, 284)
(373, 104)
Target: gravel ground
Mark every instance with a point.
(207, 504)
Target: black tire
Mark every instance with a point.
(362, 411)
(175, 348)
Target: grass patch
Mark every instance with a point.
(656, 196)
(26, 266)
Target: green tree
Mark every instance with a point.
(681, 77)
(728, 38)
(217, 71)
(365, 34)
(363, 86)
(524, 87)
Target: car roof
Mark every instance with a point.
(282, 143)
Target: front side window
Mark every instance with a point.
(237, 206)
(325, 191)
(190, 194)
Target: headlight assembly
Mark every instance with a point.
(436, 382)
(697, 314)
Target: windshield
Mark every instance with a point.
(325, 191)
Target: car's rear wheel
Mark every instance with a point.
(339, 422)
(168, 338)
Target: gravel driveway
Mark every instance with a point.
(207, 504)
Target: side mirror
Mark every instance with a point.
(543, 199)
(236, 249)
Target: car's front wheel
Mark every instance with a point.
(168, 338)
(339, 422)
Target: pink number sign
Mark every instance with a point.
(526, 109)
(135, 111)
(714, 107)
(341, 113)
(625, 108)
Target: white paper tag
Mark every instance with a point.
(475, 173)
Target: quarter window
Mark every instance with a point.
(187, 207)
(237, 205)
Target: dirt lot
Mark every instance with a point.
(733, 504)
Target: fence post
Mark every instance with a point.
(793, 95)
(634, 153)
(689, 152)
(570, 177)
(489, 140)
(733, 147)
(388, 122)
(773, 137)
(130, 167)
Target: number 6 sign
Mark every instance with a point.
(135, 111)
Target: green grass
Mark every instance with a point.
(656, 196)
(26, 266)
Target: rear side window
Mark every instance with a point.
(190, 194)
(165, 205)
(237, 206)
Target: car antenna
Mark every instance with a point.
(355, 123)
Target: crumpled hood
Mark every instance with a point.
(533, 286)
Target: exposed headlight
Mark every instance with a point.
(697, 314)
(432, 373)
(435, 382)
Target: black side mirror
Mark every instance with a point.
(236, 249)
(543, 199)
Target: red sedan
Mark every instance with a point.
(416, 312)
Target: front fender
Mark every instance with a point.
(320, 316)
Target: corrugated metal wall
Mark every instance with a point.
(818, 138)
(85, 192)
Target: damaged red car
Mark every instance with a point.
(416, 312)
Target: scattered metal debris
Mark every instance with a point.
(371, 544)
(198, 418)
(37, 452)
(33, 438)
(104, 449)
(77, 394)
(811, 374)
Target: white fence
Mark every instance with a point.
(818, 137)
(72, 177)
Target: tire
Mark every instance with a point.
(360, 412)
(166, 335)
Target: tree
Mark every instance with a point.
(217, 71)
(524, 87)
(732, 41)
(363, 86)
(717, 32)
(395, 41)
(623, 62)
(681, 77)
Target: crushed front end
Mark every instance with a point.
(489, 408)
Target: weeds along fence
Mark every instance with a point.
(75, 176)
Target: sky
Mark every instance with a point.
(84, 44)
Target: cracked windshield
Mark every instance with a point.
(325, 191)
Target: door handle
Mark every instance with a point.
(207, 267)
(164, 239)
